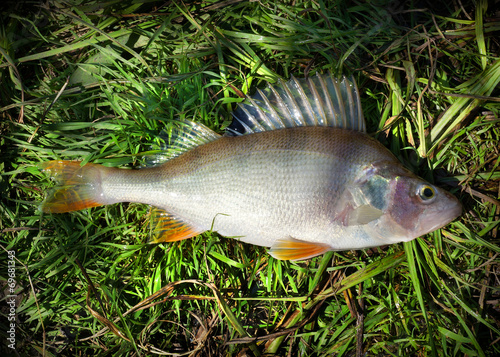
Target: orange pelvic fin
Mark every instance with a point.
(295, 249)
(77, 187)
(168, 228)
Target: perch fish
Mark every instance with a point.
(295, 172)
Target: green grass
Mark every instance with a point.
(99, 82)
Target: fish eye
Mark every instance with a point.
(426, 192)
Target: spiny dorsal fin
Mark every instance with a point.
(184, 136)
(168, 228)
(321, 100)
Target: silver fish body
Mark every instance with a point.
(300, 190)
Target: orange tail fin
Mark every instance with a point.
(77, 187)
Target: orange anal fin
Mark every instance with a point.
(168, 228)
(295, 249)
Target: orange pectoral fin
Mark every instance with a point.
(295, 249)
(168, 228)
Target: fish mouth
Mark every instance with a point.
(440, 217)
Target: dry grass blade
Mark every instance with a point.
(481, 85)
(106, 322)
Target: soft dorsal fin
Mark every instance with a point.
(321, 100)
(184, 136)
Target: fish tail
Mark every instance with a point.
(77, 187)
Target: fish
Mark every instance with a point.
(295, 172)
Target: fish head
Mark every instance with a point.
(398, 206)
(415, 207)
